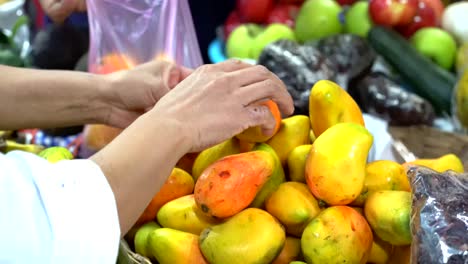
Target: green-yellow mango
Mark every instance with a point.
(141, 240)
(297, 161)
(252, 236)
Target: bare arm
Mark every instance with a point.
(33, 98)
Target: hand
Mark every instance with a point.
(131, 93)
(59, 10)
(219, 101)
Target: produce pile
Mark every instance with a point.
(399, 59)
(307, 193)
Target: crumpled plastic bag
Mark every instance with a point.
(439, 221)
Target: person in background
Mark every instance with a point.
(76, 211)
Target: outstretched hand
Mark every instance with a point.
(218, 101)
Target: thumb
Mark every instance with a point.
(260, 115)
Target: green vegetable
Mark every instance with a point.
(9, 51)
(425, 77)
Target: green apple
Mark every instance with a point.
(141, 238)
(272, 33)
(240, 41)
(357, 19)
(247, 41)
(436, 44)
(318, 19)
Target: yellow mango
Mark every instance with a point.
(329, 104)
(294, 131)
(339, 234)
(297, 161)
(335, 168)
(294, 206)
(210, 155)
(441, 164)
(183, 214)
(141, 240)
(380, 252)
(277, 177)
(290, 252)
(169, 246)
(383, 175)
(388, 213)
(252, 236)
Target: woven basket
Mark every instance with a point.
(428, 142)
(127, 256)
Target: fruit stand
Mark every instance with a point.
(378, 136)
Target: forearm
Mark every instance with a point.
(34, 98)
(138, 162)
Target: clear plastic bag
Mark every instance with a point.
(130, 32)
(125, 33)
(439, 221)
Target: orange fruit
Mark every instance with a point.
(255, 134)
(113, 62)
(178, 184)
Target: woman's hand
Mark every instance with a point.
(129, 94)
(59, 10)
(218, 101)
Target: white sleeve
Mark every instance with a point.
(56, 213)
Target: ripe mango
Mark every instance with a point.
(335, 168)
(380, 252)
(441, 164)
(169, 246)
(383, 175)
(294, 206)
(276, 178)
(255, 134)
(210, 155)
(291, 251)
(294, 131)
(388, 213)
(183, 214)
(339, 234)
(178, 184)
(329, 104)
(231, 184)
(252, 236)
(297, 161)
(141, 240)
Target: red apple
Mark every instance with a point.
(392, 12)
(425, 17)
(254, 11)
(232, 21)
(438, 8)
(284, 14)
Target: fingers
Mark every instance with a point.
(229, 66)
(260, 115)
(268, 89)
(250, 75)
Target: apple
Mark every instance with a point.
(247, 41)
(392, 12)
(232, 21)
(272, 33)
(437, 6)
(285, 14)
(425, 17)
(318, 19)
(357, 19)
(240, 41)
(436, 44)
(455, 21)
(254, 11)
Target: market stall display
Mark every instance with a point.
(320, 189)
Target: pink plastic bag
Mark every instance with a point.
(125, 33)
(129, 32)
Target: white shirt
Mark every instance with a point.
(55, 213)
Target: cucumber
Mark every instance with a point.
(426, 78)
